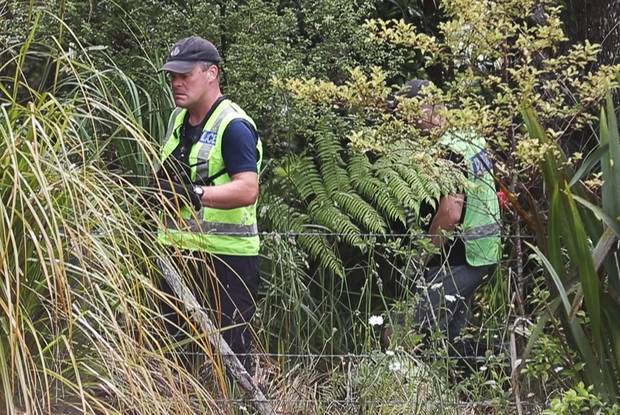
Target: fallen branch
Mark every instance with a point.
(231, 361)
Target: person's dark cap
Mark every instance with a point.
(187, 52)
(414, 87)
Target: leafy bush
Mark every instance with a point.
(581, 400)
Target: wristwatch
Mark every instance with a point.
(199, 191)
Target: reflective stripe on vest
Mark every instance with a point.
(201, 226)
(210, 136)
(479, 232)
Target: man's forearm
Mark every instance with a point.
(447, 218)
(241, 191)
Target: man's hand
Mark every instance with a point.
(172, 190)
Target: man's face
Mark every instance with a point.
(192, 87)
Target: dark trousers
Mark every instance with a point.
(226, 286)
(446, 297)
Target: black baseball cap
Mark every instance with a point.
(187, 52)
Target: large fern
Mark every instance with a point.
(360, 210)
(399, 188)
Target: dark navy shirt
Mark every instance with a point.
(239, 147)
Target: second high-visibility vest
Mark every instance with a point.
(481, 224)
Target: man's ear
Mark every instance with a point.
(214, 71)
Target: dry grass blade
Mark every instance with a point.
(81, 330)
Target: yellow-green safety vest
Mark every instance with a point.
(216, 231)
(481, 224)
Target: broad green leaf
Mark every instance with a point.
(603, 247)
(610, 165)
(555, 223)
(612, 223)
(580, 255)
(611, 310)
(589, 162)
(611, 182)
(549, 165)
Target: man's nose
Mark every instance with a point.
(175, 79)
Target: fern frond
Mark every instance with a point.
(360, 210)
(424, 186)
(328, 150)
(335, 178)
(327, 147)
(319, 249)
(326, 144)
(396, 185)
(371, 188)
(325, 213)
(283, 218)
(301, 171)
(279, 215)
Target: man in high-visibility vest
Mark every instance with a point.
(454, 275)
(210, 159)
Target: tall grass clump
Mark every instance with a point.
(79, 327)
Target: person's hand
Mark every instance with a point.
(186, 192)
(172, 191)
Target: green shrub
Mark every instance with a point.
(581, 400)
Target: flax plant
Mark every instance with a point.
(580, 253)
(80, 330)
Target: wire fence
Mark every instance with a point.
(412, 236)
(408, 236)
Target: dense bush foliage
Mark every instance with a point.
(82, 108)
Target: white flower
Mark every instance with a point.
(389, 353)
(483, 368)
(450, 298)
(558, 369)
(375, 320)
(395, 366)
